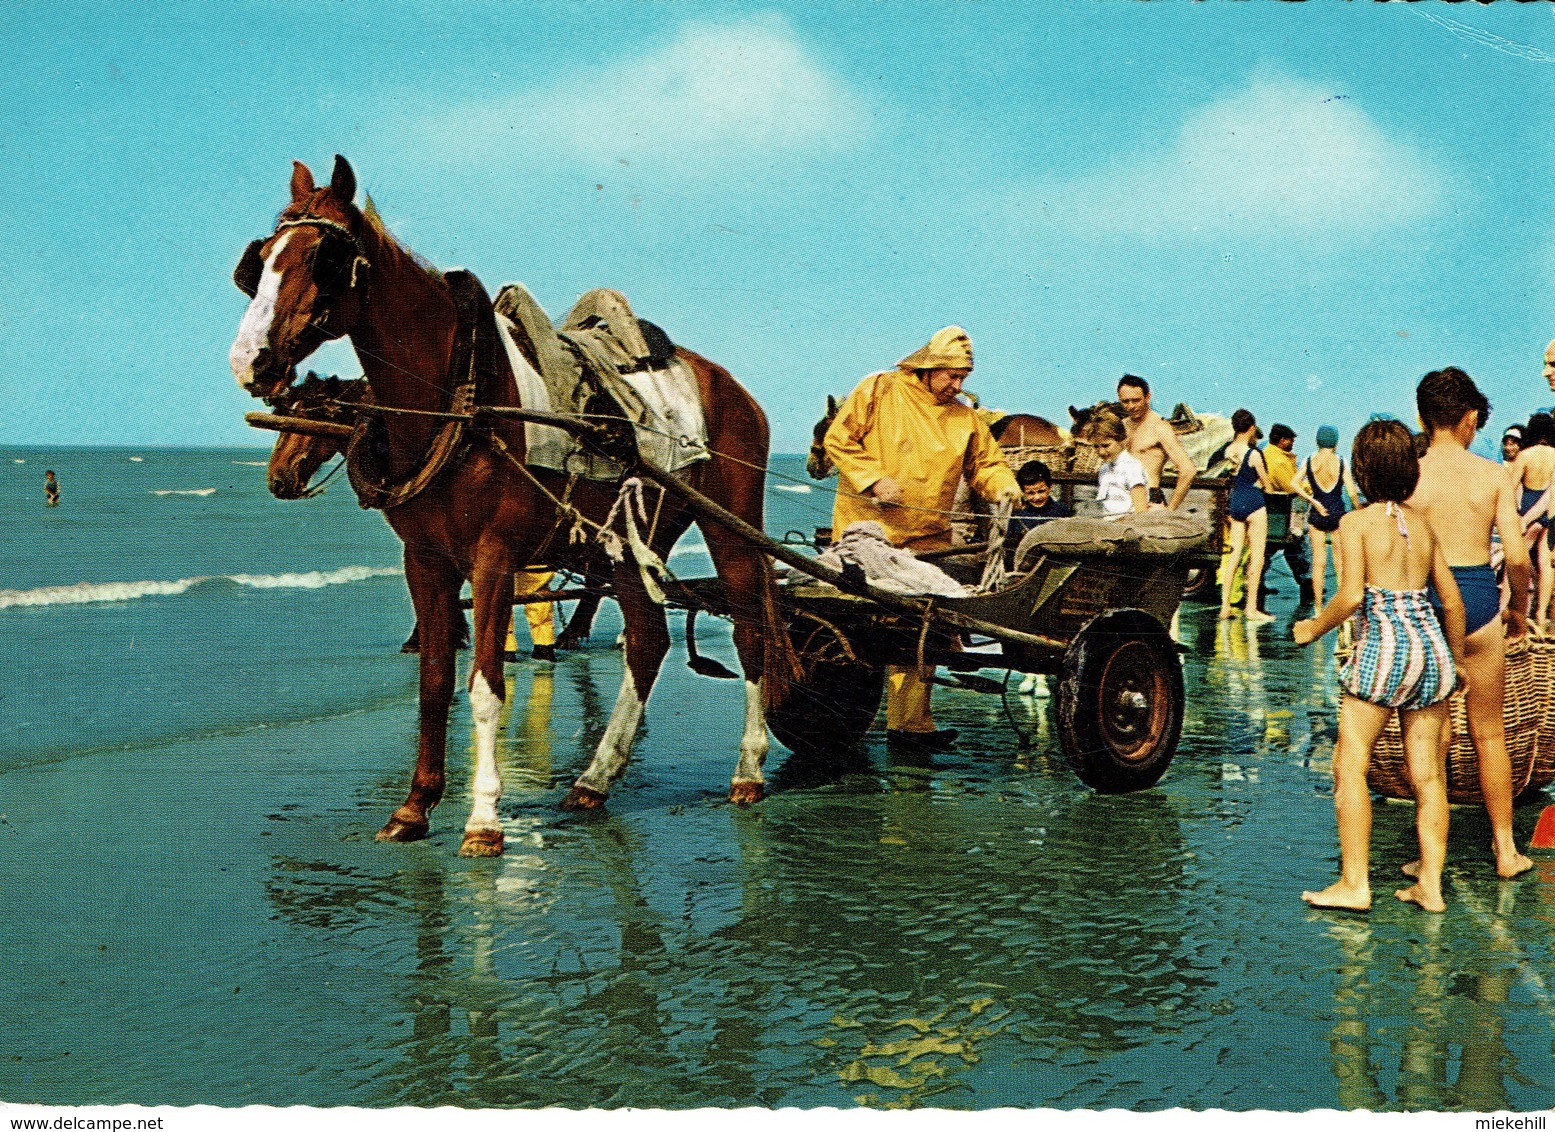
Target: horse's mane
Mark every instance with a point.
(372, 219)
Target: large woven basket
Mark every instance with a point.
(1087, 458)
(1056, 456)
(1530, 732)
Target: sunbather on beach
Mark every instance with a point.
(1249, 514)
(1464, 497)
(1533, 478)
(1404, 660)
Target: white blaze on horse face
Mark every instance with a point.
(615, 747)
(254, 331)
(754, 743)
(486, 786)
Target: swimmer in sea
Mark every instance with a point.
(50, 490)
(1404, 660)
(1465, 497)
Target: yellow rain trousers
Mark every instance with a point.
(542, 622)
(892, 426)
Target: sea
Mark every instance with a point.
(205, 717)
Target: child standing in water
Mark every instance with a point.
(1401, 662)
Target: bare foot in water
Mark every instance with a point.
(1416, 894)
(1342, 896)
(1226, 614)
(1513, 866)
(1254, 615)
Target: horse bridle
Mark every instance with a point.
(251, 264)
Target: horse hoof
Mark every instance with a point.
(747, 793)
(582, 798)
(482, 843)
(398, 829)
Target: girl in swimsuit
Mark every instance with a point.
(1249, 517)
(1403, 661)
(1532, 472)
(1324, 466)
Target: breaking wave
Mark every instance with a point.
(184, 491)
(800, 488)
(85, 592)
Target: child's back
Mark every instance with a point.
(1398, 545)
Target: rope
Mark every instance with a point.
(994, 572)
(318, 489)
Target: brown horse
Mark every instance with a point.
(297, 456)
(330, 271)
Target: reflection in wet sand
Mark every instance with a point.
(966, 931)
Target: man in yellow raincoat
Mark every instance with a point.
(902, 442)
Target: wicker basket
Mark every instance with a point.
(1057, 457)
(1087, 458)
(1530, 733)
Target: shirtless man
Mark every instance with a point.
(1463, 497)
(1153, 442)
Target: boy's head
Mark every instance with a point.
(1036, 482)
(1282, 436)
(1445, 396)
(1383, 458)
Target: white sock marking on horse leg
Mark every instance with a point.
(615, 747)
(254, 331)
(486, 786)
(754, 743)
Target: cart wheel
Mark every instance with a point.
(1201, 580)
(832, 707)
(1120, 702)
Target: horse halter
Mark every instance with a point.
(338, 261)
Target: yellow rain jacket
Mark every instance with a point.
(892, 426)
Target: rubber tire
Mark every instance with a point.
(832, 708)
(1117, 749)
(831, 711)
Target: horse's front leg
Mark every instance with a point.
(492, 590)
(434, 590)
(647, 640)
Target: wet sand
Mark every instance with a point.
(212, 921)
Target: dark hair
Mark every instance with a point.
(1241, 421)
(1444, 395)
(1384, 461)
(1033, 471)
(1539, 430)
(1138, 383)
(1281, 432)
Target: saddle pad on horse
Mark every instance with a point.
(604, 347)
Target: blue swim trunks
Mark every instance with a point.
(1481, 596)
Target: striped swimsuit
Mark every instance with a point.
(1401, 658)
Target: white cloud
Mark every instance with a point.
(1278, 156)
(718, 93)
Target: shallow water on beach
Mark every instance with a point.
(197, 911)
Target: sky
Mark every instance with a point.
(1295, 208)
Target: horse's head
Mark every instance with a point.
(1096, 412)
(818, 463)
(297, 456)
(306, 281)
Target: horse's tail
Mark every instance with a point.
(780, 664)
